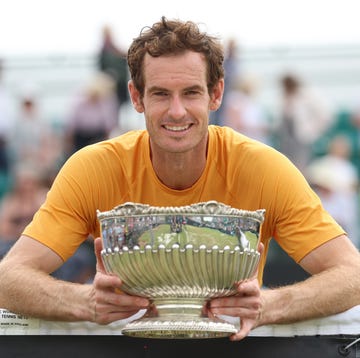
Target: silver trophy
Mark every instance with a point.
(179, 258)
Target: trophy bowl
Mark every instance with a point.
(179, 258)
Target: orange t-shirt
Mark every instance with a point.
(239, 172)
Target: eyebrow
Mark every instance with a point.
(191, 88)
(156, 88)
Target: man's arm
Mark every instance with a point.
(27, 288)
(332, 288)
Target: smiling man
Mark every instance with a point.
(176, 103)
(177, 79)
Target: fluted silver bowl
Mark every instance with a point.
(179, 258)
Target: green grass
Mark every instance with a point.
(192, 235)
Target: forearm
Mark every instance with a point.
(34, 293)
(324, 294)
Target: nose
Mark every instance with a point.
(177, 108)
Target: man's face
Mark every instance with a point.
(176, 101)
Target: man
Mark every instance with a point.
(176, 80)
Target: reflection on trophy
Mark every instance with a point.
(179, 258)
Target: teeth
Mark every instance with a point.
(176, 129)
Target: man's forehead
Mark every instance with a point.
(190, 65)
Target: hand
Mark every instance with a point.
(245, 304)
(109, 302)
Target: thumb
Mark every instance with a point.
(260, 249)
(98, 246)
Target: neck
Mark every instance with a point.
(179, 170)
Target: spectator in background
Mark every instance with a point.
(231, 64)
(19, 204)
(346, 123)
(304, 116)
(94, 114)
(352, 131)
(112, 60)
(243, 112)
(232, 77)
(5, 128)
(335, 179)
(32, 141)
(17, 209)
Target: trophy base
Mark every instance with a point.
(178, 329)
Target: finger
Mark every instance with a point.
(245, 328)
(106, 282)
(108, 306)
(126, 302)
(151, 311)
(244, 306)
(97, 248)
(240, 311)
(255, 274)
(248, 288)
(106, 314)
(261, 248)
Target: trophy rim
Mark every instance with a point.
(206, 208)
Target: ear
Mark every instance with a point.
(135, 97)
(217, 95)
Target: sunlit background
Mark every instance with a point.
(48, 27)
(54, 43)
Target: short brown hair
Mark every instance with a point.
(171, 37)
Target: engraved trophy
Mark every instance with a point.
(179, 258)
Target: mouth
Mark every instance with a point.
(177, 128)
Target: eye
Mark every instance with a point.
(192, 93)
(160, 93)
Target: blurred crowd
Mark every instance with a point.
(33, 148)
(323, 142)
